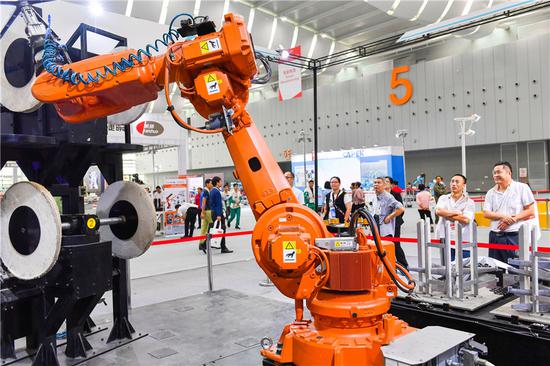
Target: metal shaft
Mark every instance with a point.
(209, 261)
(112, 221)
(102, 222)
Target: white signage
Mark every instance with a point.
(290, 78)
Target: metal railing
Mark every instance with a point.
(531, 260)
(453, 281)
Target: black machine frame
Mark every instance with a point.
(57, 155)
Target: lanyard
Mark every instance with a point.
(334, 199)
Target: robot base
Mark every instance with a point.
(307, 345)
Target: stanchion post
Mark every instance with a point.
(448, 268)
(534, 270)
(209, 261)
(459, 260)
(475, 259)
(420, 248)
(524, 238)
(428, 256)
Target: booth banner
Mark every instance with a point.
(358, 165)
(156, 129)
(290, 77)
(193, 183)
(174, 192)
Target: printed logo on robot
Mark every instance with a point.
(149, 128)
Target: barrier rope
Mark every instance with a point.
(392, 239)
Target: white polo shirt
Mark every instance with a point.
(510, 202)
(465, 205)
(182, 210)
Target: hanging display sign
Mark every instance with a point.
(290, 77)
(156, 129)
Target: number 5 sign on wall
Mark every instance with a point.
(397, 81)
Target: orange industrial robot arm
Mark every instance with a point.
(214, 71)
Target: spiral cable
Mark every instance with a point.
(52, 57)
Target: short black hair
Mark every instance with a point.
(207, 181)
(216, 180)
(335, 177)
(358, 184)
(421, 187)
(505, 163)
(460, 175)
(439, 176)
(291, 174)
(389, 178)
(177, 206)
(235, 185)
(226, 184)
(157, 187)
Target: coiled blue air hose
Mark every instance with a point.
(52, 57)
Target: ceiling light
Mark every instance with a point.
(420, 11)
(323, 35)
(95, 8)
(284, 19)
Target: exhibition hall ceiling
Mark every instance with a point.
(347, 23)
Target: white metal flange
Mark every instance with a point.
(132, 238)
(31, 230)
(128, 116)
(14, 98)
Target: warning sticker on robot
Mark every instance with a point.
(210, 45)
(289, 252)
(212, 84)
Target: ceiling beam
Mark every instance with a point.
(374, 28)
(331, 11)
(298, 6)
(367, 16)
(262, 4)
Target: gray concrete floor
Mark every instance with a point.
(220, 328)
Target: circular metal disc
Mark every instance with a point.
(16, 98)
(133, 238)
(31, 230)
(128, 116)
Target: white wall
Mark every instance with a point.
(508, 85)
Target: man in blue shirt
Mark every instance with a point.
(216, 205)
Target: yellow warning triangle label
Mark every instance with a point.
(290, 244)
(211, 77)
(204, 46)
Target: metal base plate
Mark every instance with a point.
(469, 303)
(506, 311)
(221, 328)
(97, 339)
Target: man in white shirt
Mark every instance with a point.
(298, 193)
(189, 213)
(235, 206)
(508, 204)
(386, 209)
(455, 207)
(157, 198)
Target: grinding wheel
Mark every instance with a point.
(31, 230)
(132, 238)
(17, 73)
